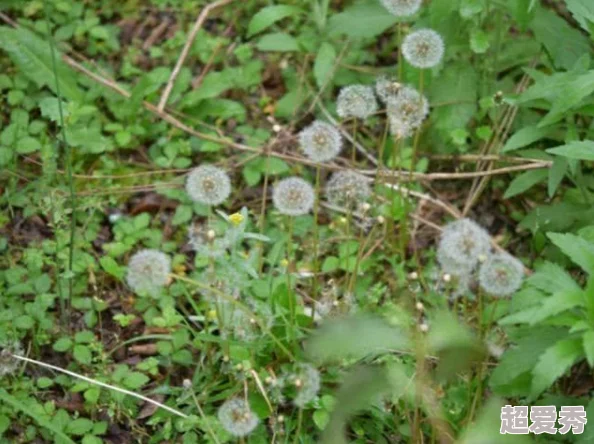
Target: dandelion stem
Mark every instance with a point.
(316, 239)
(204, 418)
(262, 220)
(289, 289)
(354, 149)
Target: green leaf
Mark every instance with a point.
(552, 278)
(79, 426)
(588, 340)
(268, 16)
(135, 380)
(278, 41)
(112, 267)
(554, 362)
(524, 137)
(582, 11)
(82, 354)
(28, 145)
(564, 44)
(579, 250)
(583, 150)
(183, 214)
(324, 64)
(50, 108)
(558, 303)
(63, 344)
(524, 182)
(556, 175)
(33, 57)
(479, 41)
(355, 337)
(364, 19)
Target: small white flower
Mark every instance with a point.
(423, 48)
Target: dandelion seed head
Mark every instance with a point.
(402, 8)
(208, 185)
(386, 88)
(237, 418)
(8, 364)
(356, 101)
(462, 243)
(320, 141)
(148, 271)
(407, 111)
(293, 196)
(423, 48)
(306, 379)
(347, 189)
(501, 274)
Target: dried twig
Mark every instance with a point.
(186, 49)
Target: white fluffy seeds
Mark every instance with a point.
(307, 381)
(402, 8)
(356, 101)
(462, 243)
(320, 141)
(293, 196)
(237, 417)
(501, 274)
(423, 48)
(148, 271)
(208, 185)
(347, 189)
(406, 111)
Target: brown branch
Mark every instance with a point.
(186, 49)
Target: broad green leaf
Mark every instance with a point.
(524, 137)
(33, 57)
(82, 354)
(278, 41)
(268, 16)
(525, 181)
(135, 380)
(564, 44)
(583, 12)
(558, 303)
(79, 426)
(479, 41)
(456, 347)
(556, 175)
(324, 64)
(28, 145)
(588, 339)
(579, 250)
(356, 338)
(111, 266)
(553, 364)
(583, 150)
(50, 108)
(523, 356)
(364, 19)
(552, 278)
(569, 98)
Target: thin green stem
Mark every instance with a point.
(65, 305)
(262, 220)
(316, 239)
(290, 296)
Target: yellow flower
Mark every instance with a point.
(284, 262)
(236, 219)
(212, 315)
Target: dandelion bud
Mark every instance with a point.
(381, 220)
(347, 189)
(210, 234)
(419, 306)
(501, 274)
(148, 271)
(252, 321)
(402, 8)
(268, 380)
(298, 383)
(187, 384)
(307, 381)
(239, 367)
(423, 48)
(276, 128)
(320, 141)
(237, 418)
(365, 207)
(343, 220)
(208, 185)
(424, 328)
(280, 418)
(447, 277)
(293, 196)
(356, 101)
(413, 276)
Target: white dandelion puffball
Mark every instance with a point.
(423, 48)
(501, 274)
(407, 110)
(208, 185)
(320, 141)
(461, 245)
(237, 418)
(399, 128)
(386, 88)
(8, 364)
(347, 189)
(293, 196)
(356, 101)
(307, 382)
(148, 271)
(402, 8)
